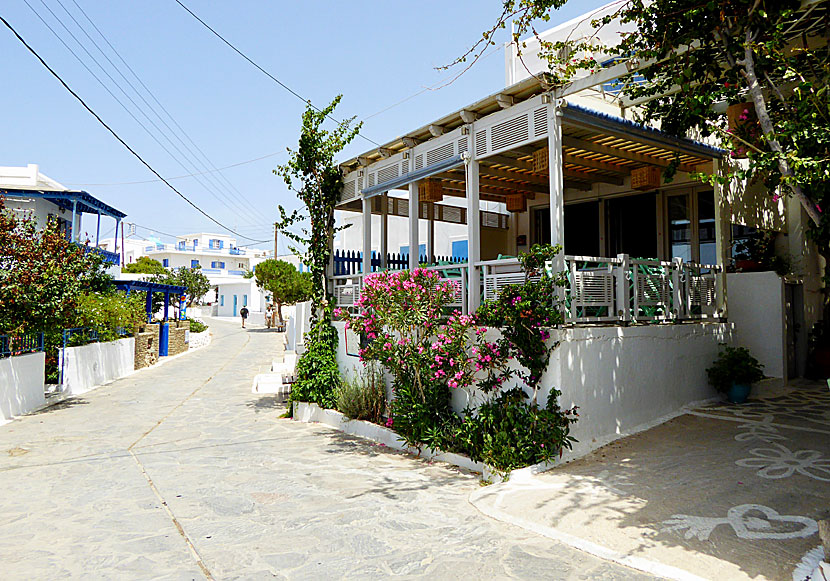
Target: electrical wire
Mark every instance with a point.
(216, 193)
(266, 73)
(114, 134)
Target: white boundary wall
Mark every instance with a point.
(89, 366)
(757, 308)
(21, 384)
(197, 340)
(624, 379)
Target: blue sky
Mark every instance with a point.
(374, 53)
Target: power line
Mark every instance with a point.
(177, 177)
(114, 134)
(262, 70)
(210, 188)
(204, 156)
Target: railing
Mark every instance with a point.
(222, 272)
(196, 249)
(351, 261)
(12, 345)
(622, 289)
(109, 257)
(347, 290)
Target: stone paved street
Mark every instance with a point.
(179, 472)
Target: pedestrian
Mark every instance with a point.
(269, 316)
(244, 314)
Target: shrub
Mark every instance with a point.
(363, 397)
(110, 314)
(197, 326)
(734, 365)
(318, 376)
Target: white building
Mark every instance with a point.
(27, 191)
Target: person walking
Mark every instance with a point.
(244, 314)
(269, 316)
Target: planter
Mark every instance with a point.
(738, 392)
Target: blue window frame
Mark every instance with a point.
(217, 264)
(165, 262)
(194, 263)
(222, 301)
(244, 300)
(460, 249)
(422, 250)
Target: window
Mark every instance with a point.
(217, 264)
(194, 263)
(706, 227)
(581, 228)
(241, 264)
(680, 228)
(165, 262)
(222, 301)
(195, 243)
(460, 249)
(244, 300)
(691, 227)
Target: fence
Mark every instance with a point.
(11, 345)
(348, 262)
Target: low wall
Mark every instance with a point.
(757, 308)
(178, 337)
(89, 366)
(623, 379)
(21, 384)
(198, 340)
(146, 347)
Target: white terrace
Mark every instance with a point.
(562, 173)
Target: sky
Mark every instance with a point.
(214, 108)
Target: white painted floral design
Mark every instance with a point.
(748, 521)
(781, 462)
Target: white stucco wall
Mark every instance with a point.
(21, 384)
(623, 379)
(246, 287)
(89, 366)
(756, 308)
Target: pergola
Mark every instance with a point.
(151, 287)
(78, 202)
(520, 143)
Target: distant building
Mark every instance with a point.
(27, 191)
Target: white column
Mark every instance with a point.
(557, 181)
(473, 236)
(723, 236)
(384, 229)
(413, 225)
(367, 235)
(431, 232)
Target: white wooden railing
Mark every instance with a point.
(618, 290)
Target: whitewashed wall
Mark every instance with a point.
(89, 366)
(756, 307)
(624, 379)
(21, 384)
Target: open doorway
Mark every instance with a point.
(632, 225)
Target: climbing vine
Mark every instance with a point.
(311, 172)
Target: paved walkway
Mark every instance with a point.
(724, 492)
(179, 472)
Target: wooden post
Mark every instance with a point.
(473, 236)
(414, 207)
(384, 230)
(723, 235)
(367, 236)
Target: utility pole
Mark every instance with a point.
(276, 232)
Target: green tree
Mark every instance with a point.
(697, 57)
(42, 277)
(315, 176)
(144, 265)
(286, 285)
(193, 279)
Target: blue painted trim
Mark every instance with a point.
(412, 176)
(87, 204)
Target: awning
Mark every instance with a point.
(414, 176)
(146, 285)
(85, 203)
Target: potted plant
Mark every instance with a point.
(734, 372)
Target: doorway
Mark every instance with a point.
(235, 304)
(632, 225)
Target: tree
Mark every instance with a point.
(193, 279)
(314, 175)
(286, 285)
(145, 265)
(42, 277)
(697, 56)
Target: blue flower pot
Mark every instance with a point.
(738, 392)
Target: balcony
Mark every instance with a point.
(109, 257)
(211, 272)
(194, 249)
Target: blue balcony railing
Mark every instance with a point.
(109, 257)
(11, 345)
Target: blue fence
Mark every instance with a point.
(11, 345)
(351, 261)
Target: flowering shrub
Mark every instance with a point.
(430, 352)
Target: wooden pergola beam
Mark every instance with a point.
(585, 145)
